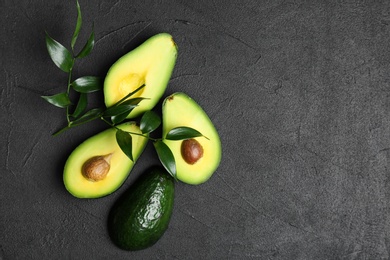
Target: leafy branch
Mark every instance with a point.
(65, 60)
(112, 116)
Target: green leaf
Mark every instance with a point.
(88, 47)
(124, 141)
(59, 100)
(133, 101)
(150, 121)
(182, 133)
(127, 108)
(119, 118)
(129, 95)
(61, 57)
(166, 157)
(87, 84)
(87, 117)
(81, 105)
(78, 26)
(118, 110)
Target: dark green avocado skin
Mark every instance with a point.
(141, 215)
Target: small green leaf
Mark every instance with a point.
(118, 110)
(87, 117)
(166, 157)
(78, 26)
(87, 84)
(59, 100)
(61, 57)
(119, 118)
(129, 95)
(182, 133)
(150, 121)
(81, 105)
(124, 141)
(88, 47)
(133, 101)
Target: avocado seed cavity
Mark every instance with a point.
(130, 83)
(191, 151)
(97, 167)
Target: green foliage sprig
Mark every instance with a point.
(114, 115)
(65, 60)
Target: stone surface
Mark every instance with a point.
(298, 90)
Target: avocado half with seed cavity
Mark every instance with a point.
(197, 158)
(98, 167)
(151, 64)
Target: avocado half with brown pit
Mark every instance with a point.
(196, 158)
(98, 167)
(150, 64)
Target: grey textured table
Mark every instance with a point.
(298, 90)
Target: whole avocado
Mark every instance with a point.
(142, 214)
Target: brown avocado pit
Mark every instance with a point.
(191, 151)
(97, 167)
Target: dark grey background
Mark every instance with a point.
(298, 90)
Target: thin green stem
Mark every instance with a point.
(61, 130)
(68, 91)
(143, 135)
(86, 121)
(107, 122)
(133, 133)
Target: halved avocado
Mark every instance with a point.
(97, 147)
(181, 110)
(151, 64)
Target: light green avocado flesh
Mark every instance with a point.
(151, 64)
(99, 145)
(181, 110)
